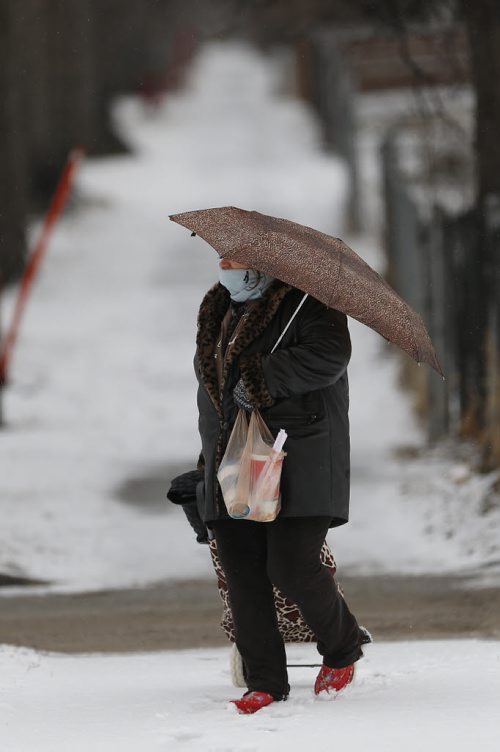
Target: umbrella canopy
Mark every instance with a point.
(319, 264)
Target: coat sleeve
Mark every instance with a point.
(318, 358)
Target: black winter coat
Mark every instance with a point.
(301, 387)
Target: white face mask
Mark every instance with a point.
(244, 284)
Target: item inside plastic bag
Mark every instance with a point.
(250, 471)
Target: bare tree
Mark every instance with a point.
(482, 20)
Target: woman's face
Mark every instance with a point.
(226, 263)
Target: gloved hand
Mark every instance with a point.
(190, 509)
(184, 490)
(241, 397)
(183, 487)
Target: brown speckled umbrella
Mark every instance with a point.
(321, 265)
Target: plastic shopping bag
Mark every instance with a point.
(250, 471)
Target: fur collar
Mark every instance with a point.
(212, 311)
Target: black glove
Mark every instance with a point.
(183, 487)
(241, 397)
(193, 517)
(183, 490)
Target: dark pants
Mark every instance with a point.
(285, 553)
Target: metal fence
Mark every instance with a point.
(445, 266)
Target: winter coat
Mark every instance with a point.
(302, 387)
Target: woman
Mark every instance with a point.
(303, 388)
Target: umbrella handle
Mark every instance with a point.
(291, 319)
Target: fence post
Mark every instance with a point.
(388, 156)
(469, 251)
(403, 229)
(405, 243)
(492, 220)
(454, 317)
(438, 324)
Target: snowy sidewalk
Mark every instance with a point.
(102, 385)
(407, 696)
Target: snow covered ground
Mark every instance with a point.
(406, 696)
(102, 391)
(102, 388)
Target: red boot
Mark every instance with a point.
(253, 701)
(333, 680)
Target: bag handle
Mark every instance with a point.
(306, 295)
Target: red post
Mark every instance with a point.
(59, 199)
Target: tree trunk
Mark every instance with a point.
(483, 28)
(12, 164)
